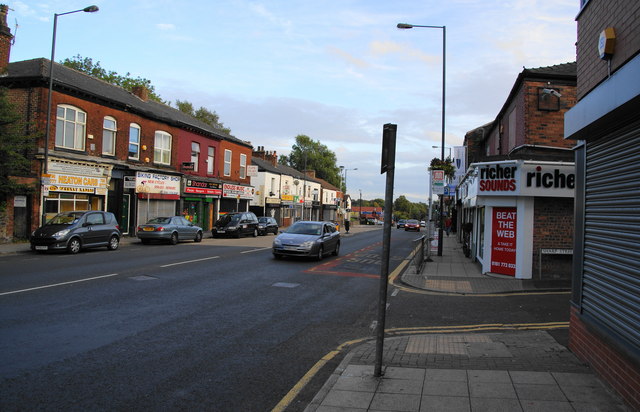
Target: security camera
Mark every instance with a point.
(551, 91)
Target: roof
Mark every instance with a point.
(37, 71)
(267, 166)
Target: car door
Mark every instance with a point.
(328, 238)
(187, 228)
(96, 229)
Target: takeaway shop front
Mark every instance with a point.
(200, 201)
(522, 217)
(157, 195)
(235, 198)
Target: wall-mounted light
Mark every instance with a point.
(146, 159)
(144, 147)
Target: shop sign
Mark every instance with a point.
(252, 171)
(147, 182)
(75, 169)
(237, 191)
(19, 201)
(76, 184)
(526, 179)
(287, 198)
(202, 188)
(129, 182)
(503, 240)
(272, 201)
(71, 189)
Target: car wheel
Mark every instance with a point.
(320, 253)
(198, 238)
(174, 239)
(255, 232)
(275, 232)
(74, 246)
(277, 256)
(114, 242)
(336, 250)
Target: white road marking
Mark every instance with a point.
(58, 284)
(189, 261)
(256, 250)
(395, 292)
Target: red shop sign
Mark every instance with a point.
(503, 241)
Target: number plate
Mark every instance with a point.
(220, 231)
(42, 247)
(147, 229)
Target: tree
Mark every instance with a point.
(446, 165)
(87, 66)
(203, 114)
(15, 150)
(313, 155)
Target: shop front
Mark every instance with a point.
(199, 201)
(235, 198)
(75, 186)
(157, 195)
(272, 208)
(519, 210)
(287, 210)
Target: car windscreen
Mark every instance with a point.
(65, 218)
(306, 229)
(263, 219)
(159, 220)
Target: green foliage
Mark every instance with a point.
(16, 147)
(313, 155)
(447, 166)
(87, 66)
(203, 114)
(405, 209)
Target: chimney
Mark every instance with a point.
(259, 153)
(5, 38)
(271, 157)
(310, 173)
(141, 91)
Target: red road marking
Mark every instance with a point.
(325, 268)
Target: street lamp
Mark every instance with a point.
(47, 133)
(345, 176)
(444, 76)
(437, 147)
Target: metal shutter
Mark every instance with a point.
(611, 271)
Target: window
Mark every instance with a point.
(71, 124)
(227, 162)
(243, 166)
(109, 136)
(134, 141)
(211, 151)
(195, 155)
(162, 148)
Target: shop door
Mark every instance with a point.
(125, 214)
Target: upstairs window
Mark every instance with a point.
(195, 155)
(71, 126)
(227, 162)
(243, 166)
(211, 151)
(162, 148)
(109, 136)
(134, 141)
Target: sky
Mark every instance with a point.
(334, 70)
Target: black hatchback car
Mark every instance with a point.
(267, 225)
(236, 225)
(72, 231)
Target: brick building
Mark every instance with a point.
(605, 123)
(517, 194)
(110, 149)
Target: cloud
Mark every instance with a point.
(166, 26)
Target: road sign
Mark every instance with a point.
(437, 182)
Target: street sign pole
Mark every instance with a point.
(387, 166)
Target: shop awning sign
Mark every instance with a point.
(156, 183)
(237, 191)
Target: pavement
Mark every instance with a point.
(463, 370)
(515, 370)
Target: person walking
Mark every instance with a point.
(447, 225)
(346, 225)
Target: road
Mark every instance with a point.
(218, 325)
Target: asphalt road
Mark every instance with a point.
(218, 325)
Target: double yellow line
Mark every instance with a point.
(485, 327)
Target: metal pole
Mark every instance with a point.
(386, 251)
(444, 76)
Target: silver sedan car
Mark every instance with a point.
(170, 229)
(305, 238)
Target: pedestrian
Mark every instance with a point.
(447, 225)
(346, 225)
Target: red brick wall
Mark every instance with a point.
(185, 138)
(621, 372)
(236, 150)
(553, 229)
(597, 15)
(543, 127)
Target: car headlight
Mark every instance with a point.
(277, 242)
(61, 233)
(308, 244)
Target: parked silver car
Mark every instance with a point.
(306, 238)
(170, 229)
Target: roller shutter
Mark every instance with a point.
(611, 268)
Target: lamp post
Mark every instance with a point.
(437, 147)
(348, 214)
(47, 133)
(444, 76)
(360, 209)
